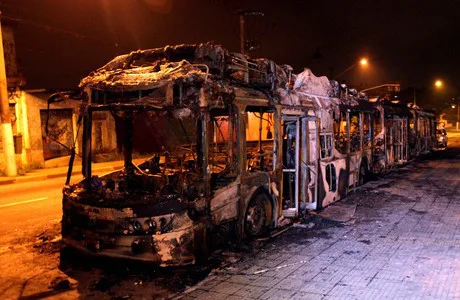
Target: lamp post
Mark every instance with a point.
(456, 104)
(243, 14)
(363, 62)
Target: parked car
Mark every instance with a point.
(441, 137)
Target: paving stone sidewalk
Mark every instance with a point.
(403, 243)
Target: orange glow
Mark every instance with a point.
(363, 61)
(438, 83)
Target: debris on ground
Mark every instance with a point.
(308, 225)
(341, 212)
(59, 284)
(49, 241)
(231, 257)
(103, 284)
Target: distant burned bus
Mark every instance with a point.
(238, 146)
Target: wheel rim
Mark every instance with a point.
(256, 217)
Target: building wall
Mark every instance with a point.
(15, 100)
(27, 109)
(37, 102)
(103, 131)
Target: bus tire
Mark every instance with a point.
(258, 215)
(363, 174)
(201, 245)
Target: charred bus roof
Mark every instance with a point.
(173, 75)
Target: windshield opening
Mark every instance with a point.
(144, 135)
(156, 154)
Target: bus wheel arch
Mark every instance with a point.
(258, 213)
(363, 171)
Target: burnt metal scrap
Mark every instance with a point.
(238, 146)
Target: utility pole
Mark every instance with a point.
(243, 14)
(242, 41)
(6, 129)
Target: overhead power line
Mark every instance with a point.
(66, 32)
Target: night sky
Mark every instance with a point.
(411, 42)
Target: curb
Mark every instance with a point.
(24, 179)
(7, 181)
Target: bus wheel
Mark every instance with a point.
(201, 244)
(257, 216)
(363, 176)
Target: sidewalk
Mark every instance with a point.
(403, 242)
(56, 172)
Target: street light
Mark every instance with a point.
(438, 84)
(363, 62)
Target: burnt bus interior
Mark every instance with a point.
(353, 128)
(175, 138)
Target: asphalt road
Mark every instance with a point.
(25, 204)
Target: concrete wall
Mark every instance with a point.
(104, 137)
(27, 124)
(103, 133)
(16, 100)
(37, 102)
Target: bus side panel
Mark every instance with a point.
(333, 181)
(353, 171)
(224, 204)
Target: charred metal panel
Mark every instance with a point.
(129, 232)
(224, 203)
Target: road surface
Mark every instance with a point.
(26, 204)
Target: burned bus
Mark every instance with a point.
(237, 146)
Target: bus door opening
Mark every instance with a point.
(290, 192)
(400, 140)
